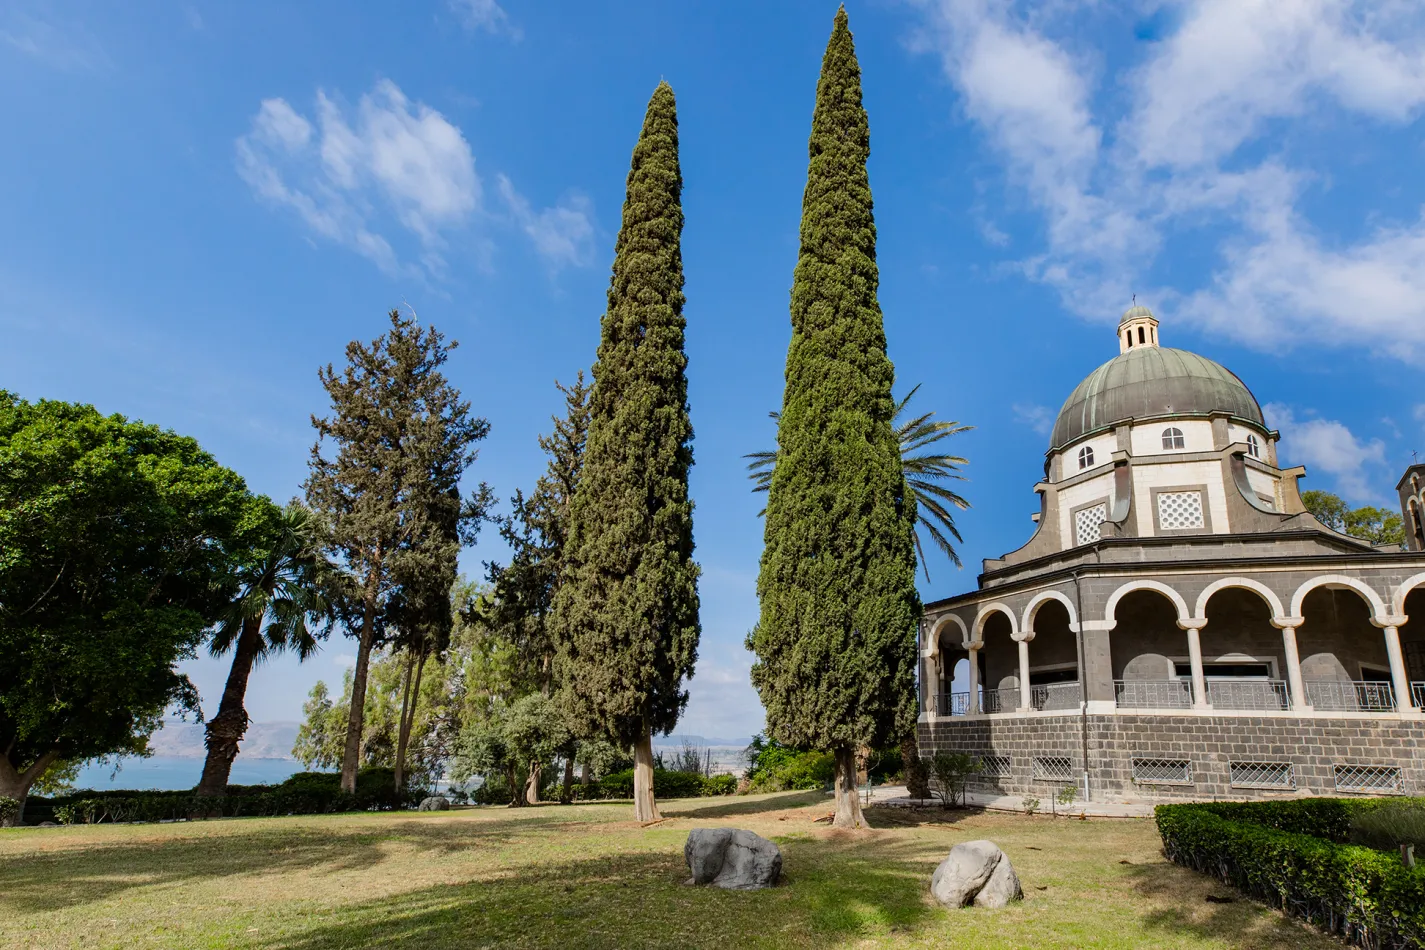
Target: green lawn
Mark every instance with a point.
(587, 876)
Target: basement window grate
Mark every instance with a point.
(1054, 768)
(1148, 771)
(1367, 778)
(994, 766)
(1262, 774)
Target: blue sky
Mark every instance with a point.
(204, 202)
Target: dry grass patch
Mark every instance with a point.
(588, 876)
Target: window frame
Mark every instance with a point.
(1254, 446)
(1086, 461)
(1201, 489)
(1174, 440)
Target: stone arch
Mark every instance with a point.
(989, 610)
(1403, 591)
(1245, 583)
(942, 623)
(1039, 600)
(1158, 586)
(1378, 608)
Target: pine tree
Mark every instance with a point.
(836, 638)
(628, 611)
(390, 498)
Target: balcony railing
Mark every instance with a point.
(952, 704)
(1248, 694)
(1000, 700)
(1152, 694)
(1342, 696)
(1417, 695)
(1058, 696)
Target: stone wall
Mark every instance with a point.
(1314, 747)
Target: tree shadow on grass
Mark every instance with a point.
(838, 890)
(1241, 922)
(64, 877)
(727, 807)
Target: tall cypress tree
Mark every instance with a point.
(627, 611)
(836, 639)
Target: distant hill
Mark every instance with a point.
(676, 740)
(264, 740)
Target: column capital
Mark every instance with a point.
(1193, 623)
(1388, 621)
(972, 645)
(1281, 623)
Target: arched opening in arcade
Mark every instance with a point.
(1053, 654)
(1147, 648)
(1243, 661)
(1412, 645)
(1344, 665)
(999, 664)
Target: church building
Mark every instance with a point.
(1179, 626)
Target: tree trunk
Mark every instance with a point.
(16, 784)
(848, 803)
(531, 788)
(356, 714)
(584, 776)
(567, 795)
(226, 729)
(512, 777)
(917, 777)
(645, 809)
(411, 693)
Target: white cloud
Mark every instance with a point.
(484, 15)
(1038, 418)
(1187, 140)
(59, 45)
(563, 235)
(393, 165)
(398, 157)
(1328, 446)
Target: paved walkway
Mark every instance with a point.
(896, 796)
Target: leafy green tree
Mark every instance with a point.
(1376, 525)
(628, 609)
(926, 473)
(118, 541)
(280, 605)
(514, 742)
(403, 439)
(523, 590)
(835, 643)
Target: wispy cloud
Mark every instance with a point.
(485, 16)
(359, 177)
(1184, 141)
(48, 42)
(1038, 418)
(1325, 445)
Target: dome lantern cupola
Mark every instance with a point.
(1137, 328)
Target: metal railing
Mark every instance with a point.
(1417, 695)
(1248, 694)
(1152, 694)
(1359, 696)
(952, 704)
(1058, 696)
(999, 700)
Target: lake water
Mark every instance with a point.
(170, 773)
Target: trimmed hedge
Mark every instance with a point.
(1290, 854)
(666, 785)
(306, 793)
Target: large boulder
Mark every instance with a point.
(434, 803)
(976, 872)
(731, 858)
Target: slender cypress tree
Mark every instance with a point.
(836, 639)
(627, 613)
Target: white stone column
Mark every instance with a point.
(1026, 699)
(1199, 682)
(973, 708)
(1288, 626)
(1398, 677)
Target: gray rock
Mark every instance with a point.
(731, 858)
(434, 803)
(975, 872)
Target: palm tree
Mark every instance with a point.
(926, 471)
(280, 603)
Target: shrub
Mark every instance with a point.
(949, 771)
(9, 811)
(774, 767)
(1263, 849)
(1390, 825)
(719, 785)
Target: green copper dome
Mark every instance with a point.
(1152, 381)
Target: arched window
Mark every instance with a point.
(1085, 457)
(1254, 448)
(1173, 438)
